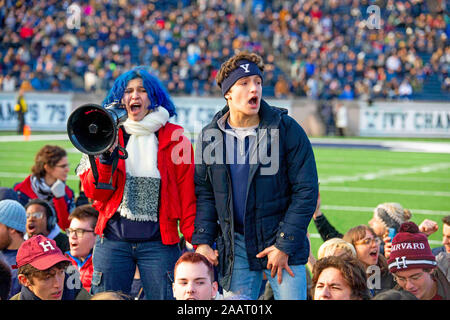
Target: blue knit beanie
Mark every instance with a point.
(13, 215)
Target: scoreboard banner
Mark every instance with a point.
(46, 112)
(405, 119)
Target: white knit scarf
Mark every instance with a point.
(142, 147)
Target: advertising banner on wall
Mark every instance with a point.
(46, 112)
(193, 113)
(405, 119)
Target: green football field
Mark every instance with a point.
(352, 181)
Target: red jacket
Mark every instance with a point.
(177, 201)
(63, 205)
(85, 268)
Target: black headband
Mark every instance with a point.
(245, 69)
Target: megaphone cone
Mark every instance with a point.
(93, 129)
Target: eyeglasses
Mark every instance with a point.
(35, 215)
(413, 278)
(369, 241)
(79, 232)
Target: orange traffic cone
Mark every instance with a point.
(26, 132)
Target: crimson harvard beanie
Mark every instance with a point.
(410, 250)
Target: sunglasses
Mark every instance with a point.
(35, 215)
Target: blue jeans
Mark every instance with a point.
(248, 283)
(115, 265)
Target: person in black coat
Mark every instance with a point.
(256, 186)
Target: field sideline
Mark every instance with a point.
(354, 176)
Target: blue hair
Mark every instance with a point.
(156, 92)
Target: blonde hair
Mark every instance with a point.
(331, 246)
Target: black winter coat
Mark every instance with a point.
(279, 206)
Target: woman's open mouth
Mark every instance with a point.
(135, 107)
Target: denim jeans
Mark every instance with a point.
(248, 283)
(115, 265)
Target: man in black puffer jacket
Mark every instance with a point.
(256, 186)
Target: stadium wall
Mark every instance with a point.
(50, 111)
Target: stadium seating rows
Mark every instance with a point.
(317, 48)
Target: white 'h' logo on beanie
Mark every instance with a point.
(45, 245)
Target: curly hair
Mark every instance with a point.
(48, 155)
(352, 271)
(232, 63)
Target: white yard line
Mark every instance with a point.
(388, 191)
(388, 172)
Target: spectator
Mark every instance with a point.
(41, 272)
(341, 119)
(5, 280)
(21, 108)
(414, 266)
(138, 218)
(405, 90)
(445, 237)
(339, 278)
(47, 182)
(12, 228)
(41, 219)
(111, 295)
(388, 215)
(367, 246)
(393, 294)
(9, 83)
(336, 247)
(194, 278)
(281, 88)
(81, 240)
(245, 254)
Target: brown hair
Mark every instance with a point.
(48, 155)
(31, 272)
(352, 271)
(232, 64)
(446, 220)
(193, 257)
(358, 233)
(83, 212)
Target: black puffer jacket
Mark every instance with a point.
(279, 206)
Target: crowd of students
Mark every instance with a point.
(343, 270)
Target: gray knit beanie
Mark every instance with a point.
(13, 215)
(392, 214)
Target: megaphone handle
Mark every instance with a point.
(94, 169)
(124, 151)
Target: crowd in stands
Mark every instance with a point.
(315, 48)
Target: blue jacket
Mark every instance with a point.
(279, 206)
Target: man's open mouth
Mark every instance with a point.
(253, 101)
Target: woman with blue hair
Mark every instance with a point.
(153, 191)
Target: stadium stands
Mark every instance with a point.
(321, 48)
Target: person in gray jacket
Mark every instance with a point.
(256, 186)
